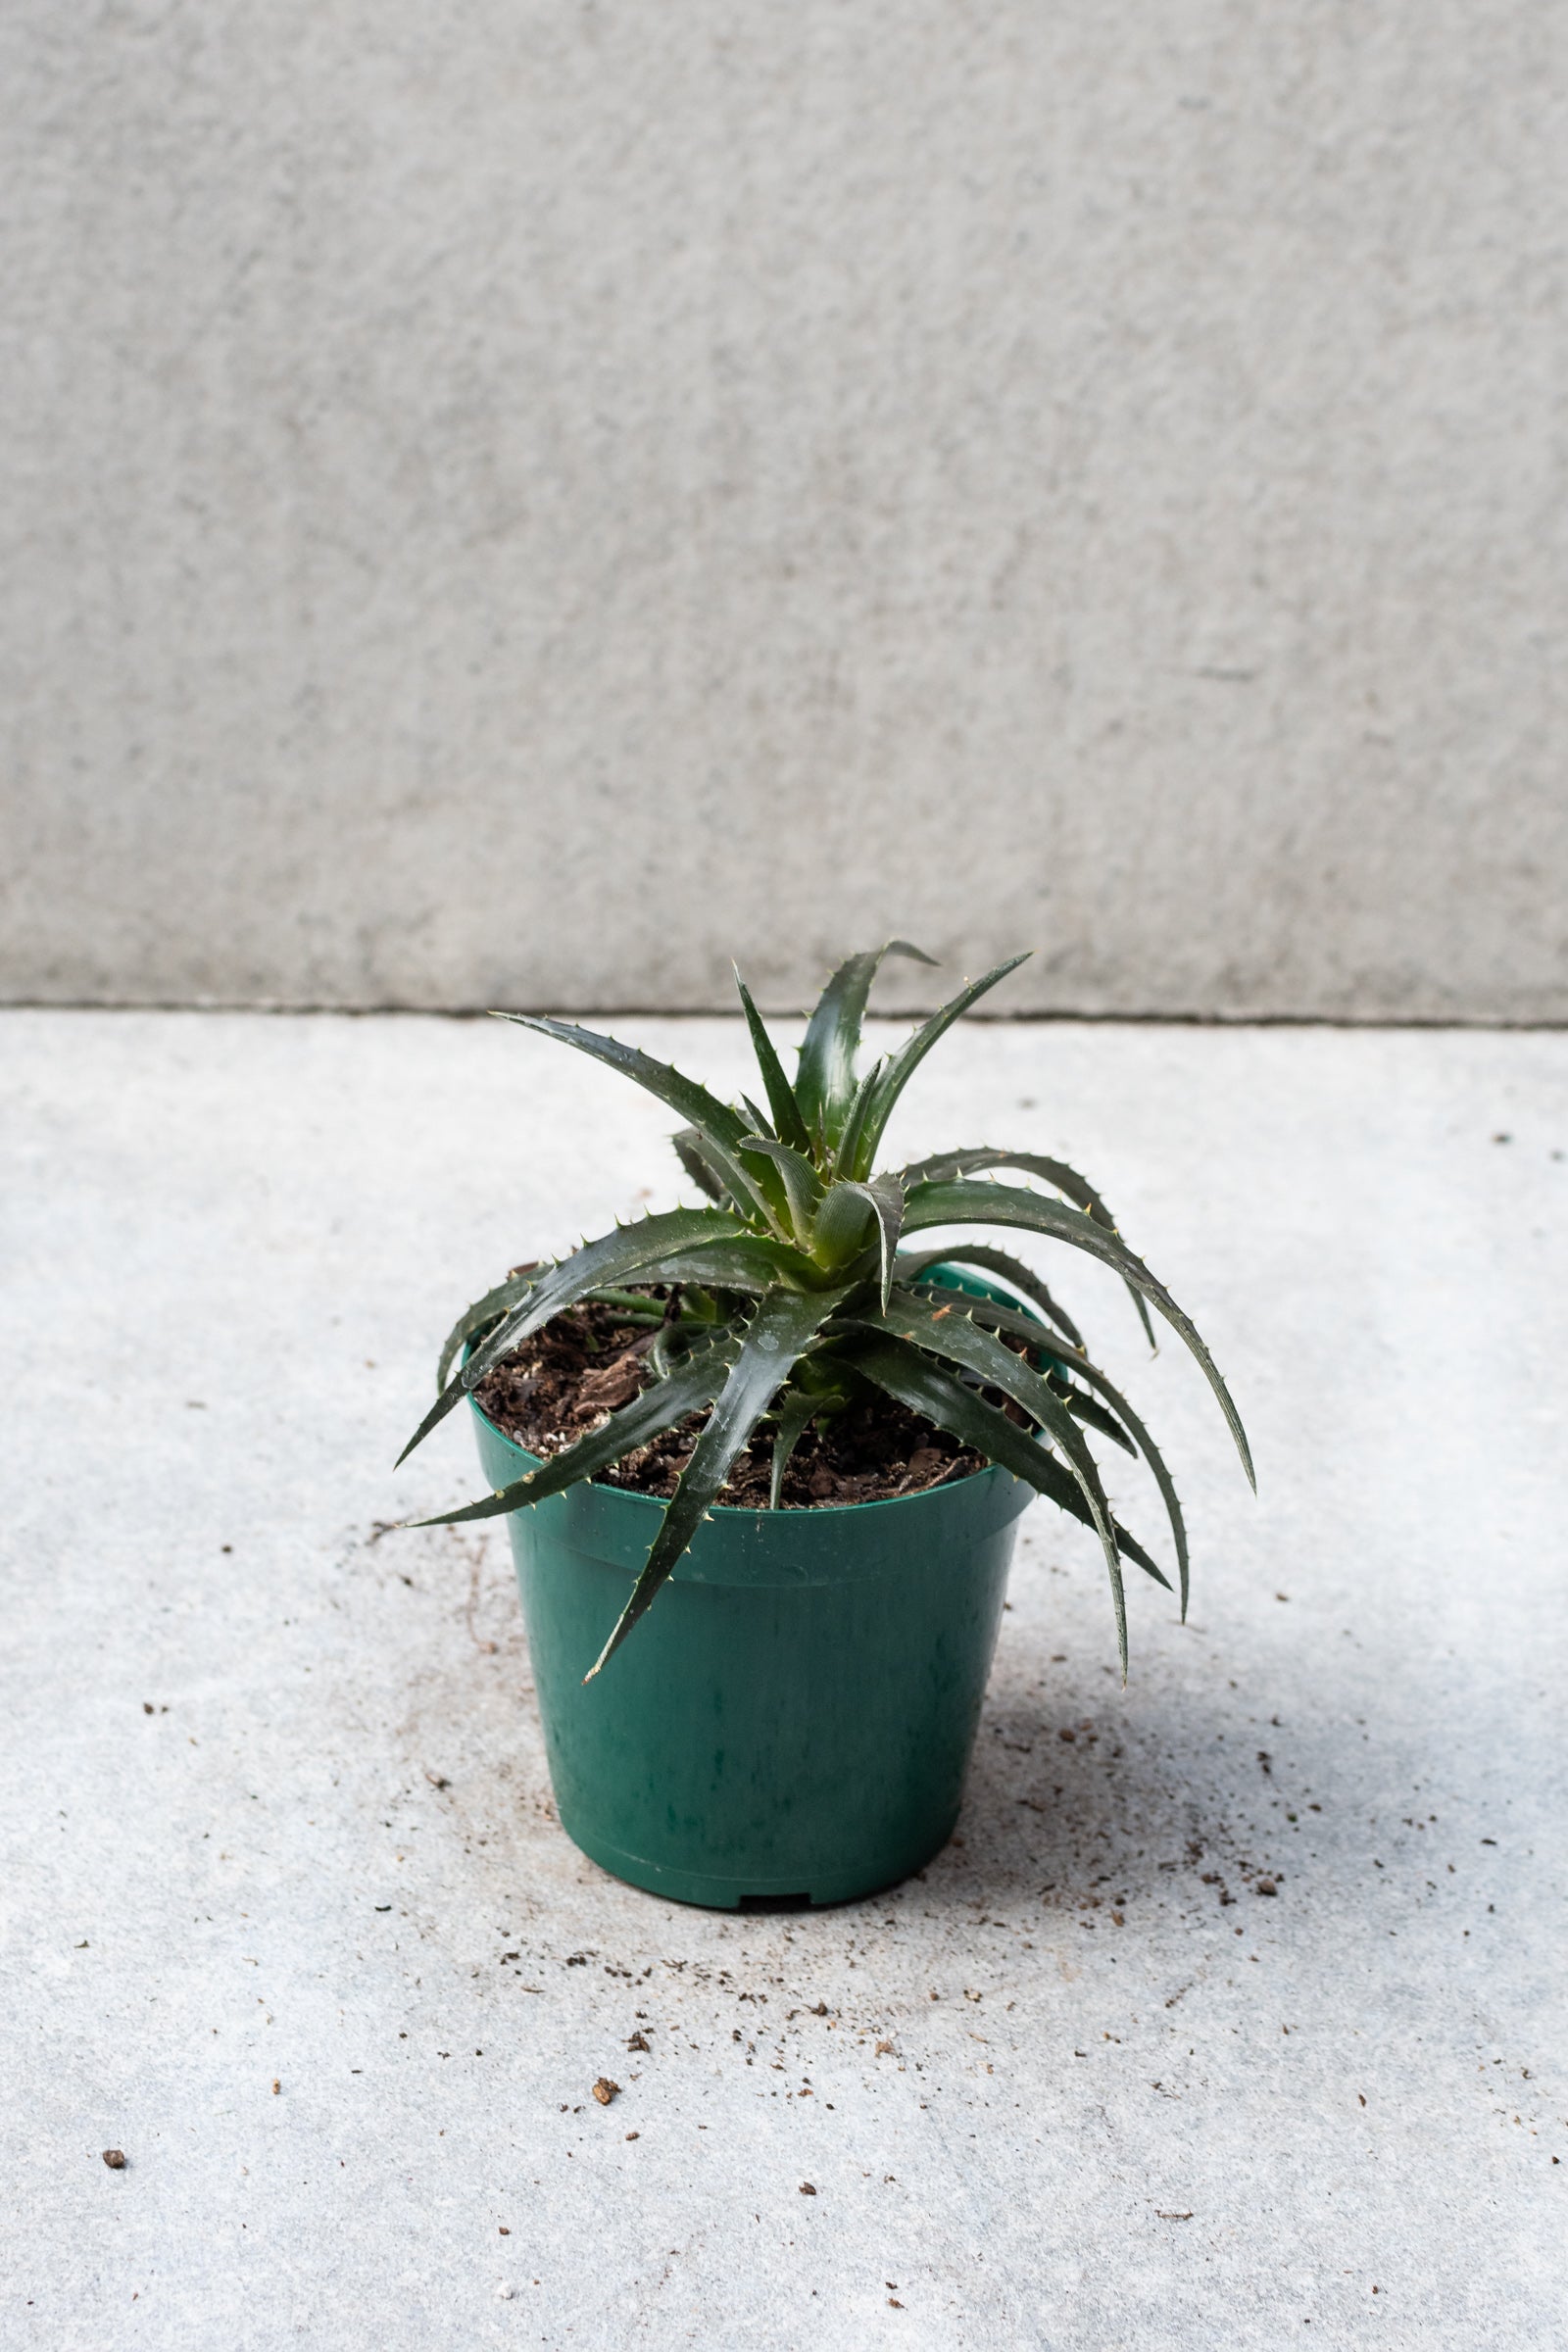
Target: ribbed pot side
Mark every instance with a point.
(792, 1721)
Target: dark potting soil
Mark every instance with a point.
(562, 1383)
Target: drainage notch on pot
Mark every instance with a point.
(774, 1903)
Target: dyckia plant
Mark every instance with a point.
(796, 1296)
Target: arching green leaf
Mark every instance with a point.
(968, 1204)
(857, 1151)
(911, 1376)
(825, 1083)
(497, 1301)
(946, 1331)
(1085, 1371)
(972, 1162)
(793, 1415)
(992, 1262)
(783, 1326)
(803, 1186)
(786, 1120)
(687, 1146)
(752, 1262)
(1095, 1415)
(695, 1382)
(612, 1258)
(1129, 1431)
(837, 1227)
(719, 1127)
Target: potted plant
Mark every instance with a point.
(793, 1723)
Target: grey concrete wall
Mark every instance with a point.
(520, 501)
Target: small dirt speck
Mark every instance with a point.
(115, 2158)
(605, 2090)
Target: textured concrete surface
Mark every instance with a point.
(500, 507)
(305, 1942)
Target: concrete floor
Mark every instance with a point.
(277, 1807)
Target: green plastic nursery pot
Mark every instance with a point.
(792, 1721)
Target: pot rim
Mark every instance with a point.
(972, 1482)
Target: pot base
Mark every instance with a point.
(717, 1893)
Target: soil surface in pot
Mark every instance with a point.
(564, 1381)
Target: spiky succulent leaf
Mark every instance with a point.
(946, 1331)
(998, 1315)
(1129, 1431)
(846, 1158)
(674, 1340)
(842, 1219)
(963, 1202)
(484, 1311)
(994, 1261)
(612, 1258)
(1093, 1415)
(719, 1127)
(793, 1416)
(842, 1225)
(1058, 1487)
(788, 1124)
(803, 1186)
(824, 1085)
(695, 1382)
(1059, 1361)
(1067, 1181)
(858, 1151)
(782, 1327)
(1085, 1371)
(687, 1146)
(752, 1262)
(636, 1305)
(948, 1325)
(911, 1376)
